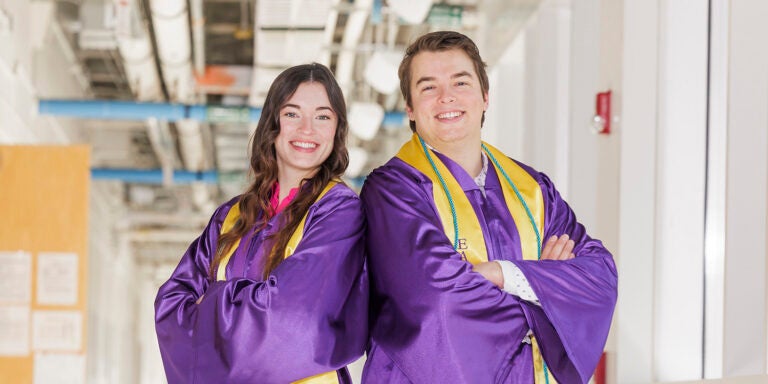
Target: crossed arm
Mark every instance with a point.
(556, 248)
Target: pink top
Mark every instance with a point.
(276, 195)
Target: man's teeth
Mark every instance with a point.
(449, 115)
(304, 144)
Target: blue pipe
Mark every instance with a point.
(153, 176)
(128, 110)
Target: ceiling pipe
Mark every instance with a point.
(171, 19)
(330, 29)
(171, 24)
(352, 31)
(154, 176)
(135, 47)
(126, 110)
(198, 35)
(162, 143)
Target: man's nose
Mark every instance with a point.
(447, 97)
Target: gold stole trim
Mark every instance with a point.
(472, 246)
(229, 222)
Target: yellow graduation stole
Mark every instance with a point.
(229, 222)
(471, 244)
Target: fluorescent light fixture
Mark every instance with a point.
(365, 119)
(381, 71)
(411, 11)
(358, 157)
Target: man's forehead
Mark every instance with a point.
(427, 67)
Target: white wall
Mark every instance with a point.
(680, 175)
(744, 349)
(665, 172)
(529, 103)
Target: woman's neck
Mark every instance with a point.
(289, 181)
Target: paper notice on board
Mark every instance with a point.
(14, 331)
(15, 277)
(57, 330)
(60, 368)
(57, 278)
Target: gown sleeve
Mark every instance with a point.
(577, 296)
(435, 318)
(175, 309)
(308, 317)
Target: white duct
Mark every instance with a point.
(136, 49)
(160, 137)
(354, 29)
(198, 35)
(191, 142)
(174, 49)
(193, 155)
(170, 20)
(330, 29)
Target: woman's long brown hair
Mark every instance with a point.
(256, 199)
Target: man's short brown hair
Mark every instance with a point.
(435, 42)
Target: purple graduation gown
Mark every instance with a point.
(308, 317)
(434, 320)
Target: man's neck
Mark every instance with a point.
(469, 157)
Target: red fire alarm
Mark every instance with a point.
(601, 123)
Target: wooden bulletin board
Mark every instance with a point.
(44, 239)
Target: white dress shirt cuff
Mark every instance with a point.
(515, 282)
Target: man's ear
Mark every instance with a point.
(409, 112)
(485, 97)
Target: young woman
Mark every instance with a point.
(275, 289)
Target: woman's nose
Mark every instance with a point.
(305, 126)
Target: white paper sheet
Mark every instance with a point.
(59, 368)
(57, 278)
(57, 330)
(15, 277)
(14, 331)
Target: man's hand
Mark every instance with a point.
(491, 270)
(558, 248)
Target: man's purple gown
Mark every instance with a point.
(434, 320)
(308, 317)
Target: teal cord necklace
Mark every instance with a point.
(456, 221)
(519, 197)
(533, 223)
(447, 193)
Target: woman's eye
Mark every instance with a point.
(323, 117)
(291, 114)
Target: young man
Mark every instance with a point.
(462, 290)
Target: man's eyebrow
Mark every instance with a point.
(461, 74)
(424, 78)
(454, 76)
